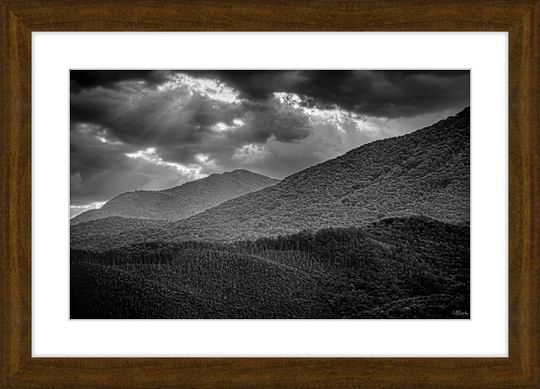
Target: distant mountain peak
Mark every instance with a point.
(238, 172)
(180, 201)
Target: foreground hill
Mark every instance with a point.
(411, 267)
(182, 201)
(425, 173)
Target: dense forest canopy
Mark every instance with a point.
(392, 268)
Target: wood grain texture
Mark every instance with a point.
(519, 18)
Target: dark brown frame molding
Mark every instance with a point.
(521, 19)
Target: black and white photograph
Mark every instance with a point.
(269, 194)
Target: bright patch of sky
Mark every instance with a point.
(102, 139)
(221, 127)
(74, 210)
(211, 88)
(95, 205)
(248, 152)
(334, 115)
(201, 158)
(150, 155)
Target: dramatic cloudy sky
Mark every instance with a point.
(157, 129)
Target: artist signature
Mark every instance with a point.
(457, 312)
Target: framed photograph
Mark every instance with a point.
(270, 194)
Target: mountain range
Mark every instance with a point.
(181, 201)
(424, 173)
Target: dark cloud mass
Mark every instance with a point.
(141, 129)
(84, 79)
(380, 93)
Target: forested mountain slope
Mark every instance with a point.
(411, 267)
(182, 201)
(425, 173)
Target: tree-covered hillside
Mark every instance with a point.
(423, 173)
(181, 201)
(412, 267)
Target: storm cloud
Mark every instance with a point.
(379, 93)
(156, 129)
(84, 79)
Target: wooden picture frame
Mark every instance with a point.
(521, 19)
